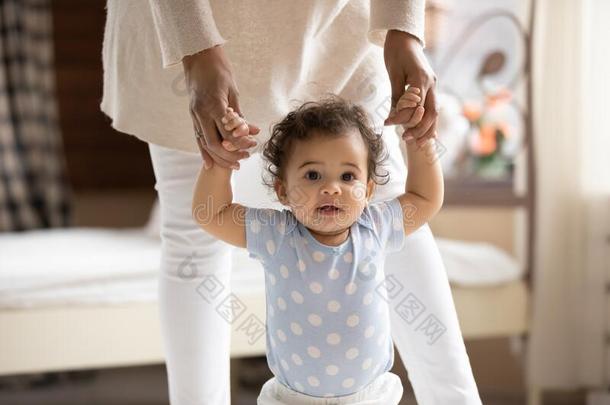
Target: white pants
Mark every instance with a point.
(385, 390)
(196, 339)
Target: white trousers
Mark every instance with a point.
(196, 339)
(385, 390)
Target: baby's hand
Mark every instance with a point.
(233, 122)
(410, 101)
(236, 124)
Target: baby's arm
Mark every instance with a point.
(424, 191)
(212, 205)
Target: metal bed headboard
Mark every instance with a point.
(491, 193)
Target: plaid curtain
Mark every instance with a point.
(34, 191)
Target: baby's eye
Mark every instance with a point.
(312, 175)
(348, 176)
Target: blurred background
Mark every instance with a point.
(524, 232)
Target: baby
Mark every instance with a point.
(328, 329)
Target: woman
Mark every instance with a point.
(169, 74)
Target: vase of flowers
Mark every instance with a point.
(487, 135)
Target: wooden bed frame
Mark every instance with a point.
(100, 336)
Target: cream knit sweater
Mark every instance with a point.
(282, 53)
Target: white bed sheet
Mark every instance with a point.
(112, 266)
(478, 263)
(66, 266)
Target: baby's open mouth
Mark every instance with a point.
(328, 209)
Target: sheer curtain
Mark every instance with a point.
(567, 346)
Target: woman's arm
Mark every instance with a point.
(187, 34)
(402, 15)
(184, 28)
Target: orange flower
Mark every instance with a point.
(472, 111)
(485, 143)
(503, 95)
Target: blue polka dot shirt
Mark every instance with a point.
(327, 323)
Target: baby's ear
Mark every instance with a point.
(370, 189)
(280, 191)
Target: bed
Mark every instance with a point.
(69, 305)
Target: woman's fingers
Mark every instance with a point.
(430, 133)
(416, 117)
(208, 162)
(223, 157)
(238, 128)
(253, 129)
(207, 159)
(413, 89)
(229, 146)
(424, 125)
(222, 162)
(241, 142)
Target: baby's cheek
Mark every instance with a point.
(358, 191)
(348, 216)
(301, 213)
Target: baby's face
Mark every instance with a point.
(325, 181)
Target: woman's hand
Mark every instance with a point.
(407, 64)
(209, 81)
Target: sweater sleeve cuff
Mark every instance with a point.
(184, 28)
(402, 15)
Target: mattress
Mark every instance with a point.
(95, 266)
(58, 267)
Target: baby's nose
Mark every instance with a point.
(331, 188)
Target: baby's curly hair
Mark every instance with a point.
(331, 116)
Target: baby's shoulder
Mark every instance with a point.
(268, 232)
(270, 219)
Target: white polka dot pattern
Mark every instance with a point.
(353, 320)
(302, 266)
(297, 297)
(333, 274)
(327, 324)
(296, 328)
(315, 287)
(318, 256)
(314, 319)
(333, 306)
(333, 339)
(332, 369)
(313, 352)
(351, 288)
